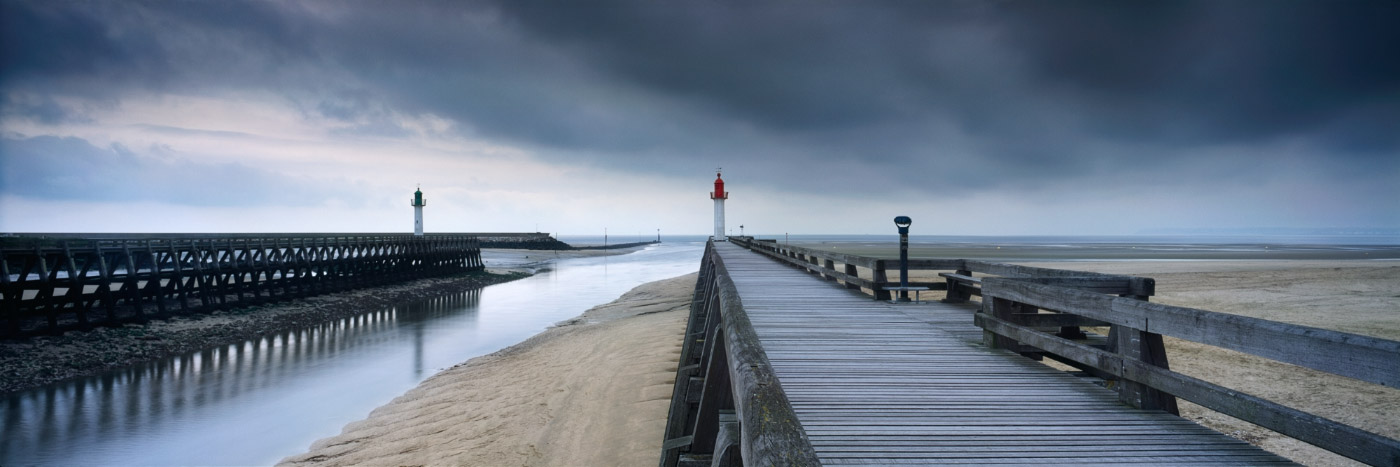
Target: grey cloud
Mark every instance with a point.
(55, 168)
(42, 108)
(976, 95)
(170, 130)
(1033, 84)
(105, 50)
(1217, 71)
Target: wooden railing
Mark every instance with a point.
(825, 263)
(1134, 322)
(79, 283)
(727, 408)
(1023, 307)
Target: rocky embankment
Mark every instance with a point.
(32, 362)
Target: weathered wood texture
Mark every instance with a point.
(1139, 326)
(878, 383)
(81, 283)
(723, 360)
(824, 263)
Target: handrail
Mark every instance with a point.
(807, 258)
(1355, 356)
(45, 288)
(1135, 355)
(724, 370)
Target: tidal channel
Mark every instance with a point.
(257, 402)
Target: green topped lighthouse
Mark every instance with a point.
(418, 203)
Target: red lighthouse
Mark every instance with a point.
(719, 195)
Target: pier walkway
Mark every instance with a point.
(877, 383)
(798, 365)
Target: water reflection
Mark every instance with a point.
(259, 401)
(127, 402)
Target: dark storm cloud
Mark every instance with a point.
(106, 49)
(1178, 73)
(1223, 70)
(928, 95)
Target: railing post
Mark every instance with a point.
(79, 286)
(10, 296)
(1146, 347)
(727, 451)
(46, 288)
(716, 396)
(851, 271)
(153, 281)
(880, 280)
(183, 293)
(1002, 309)
(131, 282)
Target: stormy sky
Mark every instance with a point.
(991, 118)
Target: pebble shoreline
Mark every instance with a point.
(37, 361)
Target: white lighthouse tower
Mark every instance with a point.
(719, 195)
(418, 203)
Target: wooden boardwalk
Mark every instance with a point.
(879, 383)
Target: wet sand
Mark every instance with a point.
(594, 390)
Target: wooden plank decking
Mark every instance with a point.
(879, 383)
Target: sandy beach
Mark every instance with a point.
(593, 391)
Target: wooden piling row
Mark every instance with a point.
(83, 283)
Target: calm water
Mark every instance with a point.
(257, 402)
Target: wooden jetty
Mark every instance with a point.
(65, 282)
(787, 361)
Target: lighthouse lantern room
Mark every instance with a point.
(418, 202)
(719, 195)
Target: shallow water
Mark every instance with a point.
(260, 401)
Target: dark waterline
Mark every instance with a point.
(259, 401)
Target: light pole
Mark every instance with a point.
(741, 230)
(903, 223)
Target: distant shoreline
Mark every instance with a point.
(593, 390)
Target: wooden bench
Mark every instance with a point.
(961, 286)
(915, 288)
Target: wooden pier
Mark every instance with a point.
(788, 361)
(75, 282)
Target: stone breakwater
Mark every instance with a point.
(36, 361)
